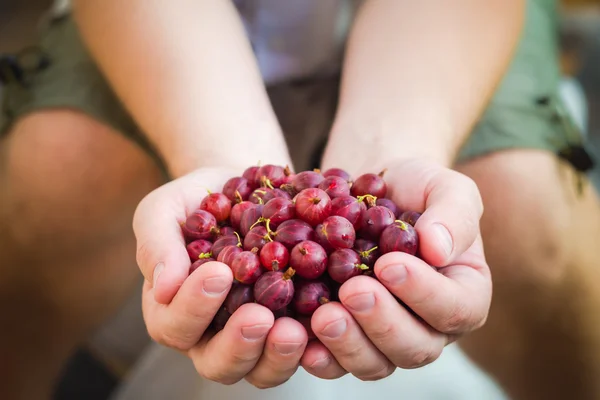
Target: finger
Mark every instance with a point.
(161, 253)
(233, 352)
(405, 341)
(339, 332)
(281, 357)
(181, 323)
(454, 300)
(451, 206)
(318, 361)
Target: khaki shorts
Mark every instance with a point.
(525, 112)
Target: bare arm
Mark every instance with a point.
(186, 73)
(417, 76)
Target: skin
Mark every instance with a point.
(204, 103)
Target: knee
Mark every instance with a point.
(69, 176)
(526, 223)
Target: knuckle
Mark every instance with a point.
(175, 341)
(418, 358)
(143, 258)
(218, 376)
(381, 373)
(264, 384)
(382, 332)
(243, 357)
(458, 319)
(351, 353)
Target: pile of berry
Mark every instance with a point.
(292, 239)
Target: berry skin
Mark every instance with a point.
(228, 254)
(275, 289)
(374, 221)
(223, 242)
(235, 217)
(292, 232)
(199, 249)
(337, 172)
(271, 176)
(274, 256)
(309, 296)
(335, 233)
(306, 180)
(390, 205)
(246, 267)
(278, 210)
(350, 208)
(313, 206)
(399, 236)
(308, 259)
(199, 262)
(345, 264)
(218, 205)
(201, 225)
(369, 184)
(335, 186)
(250, 217)
(410, 216)
(257, 237)
(367, 250)
(237, 296)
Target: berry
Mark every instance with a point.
(410, 216)
(374, 221)
(305, 321)
(337, 172)
(278, 210)
(250, 175)
(335, 186)
(284, 312)
(237, 296)
(199, 249)
(257, 237)
(246, 267)
(228, 254)
(220, 319)
(270, 176)
(308, 259)
(350, 208)
(399, 236)
(235, 217)
(274, 289)
(237, 189)
(223, 242)
(344, 264)
(274, 256)
(249, 218)
(335, 233)
(201, 225)
(306, 180)
(388, 204)
(313, 206)
(218, 205)
(199, 262)
(367, 250)
(225, 231)
(309, 296)
(369, 184)
(292, 232)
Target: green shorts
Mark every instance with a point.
(525, 112)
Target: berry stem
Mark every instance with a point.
(258, 221)
(287, 171)
(238, 197)
(323, 300)
(287, 275)
(382, 173)
(370, 199)
(275, 265)
(367, 252)
(202, 256)
(402, 224)
(362, 267)
(239, 244)
(254, 250)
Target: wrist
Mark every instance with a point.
(366, 147)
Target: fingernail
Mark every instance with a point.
(255, 332)
(320, 364)
(360, 302)
(444, 237)
(215, 285)
(393, 274)
(157, 270)
(287, 348)
(335, 329)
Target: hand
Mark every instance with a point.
(370, 334)
(178, 308)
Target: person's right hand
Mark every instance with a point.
(178, 308)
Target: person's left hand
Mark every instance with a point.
(370, 333)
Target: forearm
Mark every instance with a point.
(418, 74)
(187, 75)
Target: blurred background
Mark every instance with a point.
(97, 369)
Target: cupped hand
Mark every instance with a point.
(178, 307)
(369, 333)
